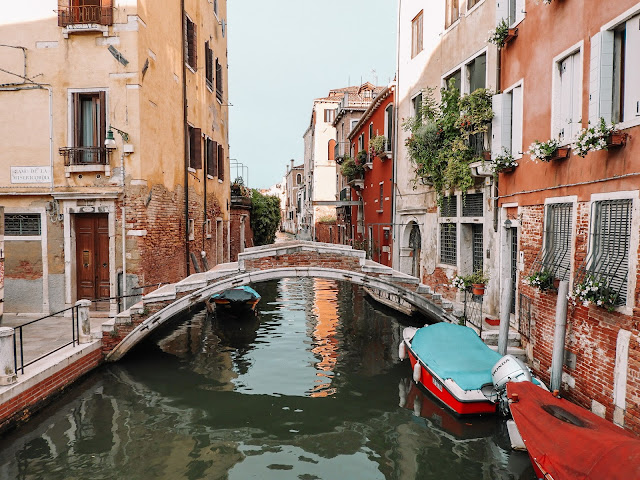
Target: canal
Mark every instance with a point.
(311, 388)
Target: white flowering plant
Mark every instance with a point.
(498, 35)
(592, 139)
(543, 151)
(542, 280)
(594, 291)
(460, 283)
(503, 161)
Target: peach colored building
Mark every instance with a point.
(114, 154)
(575, 214)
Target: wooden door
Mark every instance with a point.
(92, 259)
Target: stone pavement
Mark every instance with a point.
(46, 335)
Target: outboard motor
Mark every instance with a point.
(508, 369)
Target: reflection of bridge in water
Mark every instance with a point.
(271, 262)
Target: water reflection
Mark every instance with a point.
(308, 389)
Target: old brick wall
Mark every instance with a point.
(327, 232)
(592, 332)
(237, 213)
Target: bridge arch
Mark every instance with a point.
(261, 264)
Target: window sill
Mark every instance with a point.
(189, 67)
(87, 169)
(628, 124)
(474, 8)
(452, 26)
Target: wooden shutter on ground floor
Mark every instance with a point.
(220, 162)
(195, 148)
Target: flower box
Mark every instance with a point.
(507, 170)
(616, 139)
(513, 33)
(486, 155)
(561, 153)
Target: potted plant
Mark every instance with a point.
(351, 169)
(504, 162)
(502, 34)
(594, 291)
(362, 158)
(600, 137)
(547, 151)
(543, 280)
(460, 282)
(478, 280)
(377, 145)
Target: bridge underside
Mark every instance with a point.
(261, 264)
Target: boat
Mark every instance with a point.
(565, 440)
(236, 299)
(453, 364)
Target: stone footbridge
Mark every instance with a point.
(260, 264)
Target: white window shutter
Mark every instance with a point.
(632, 70)
(563, 127)
(502, 10)
(501, 124)
(517, 119)
(576, 96)
(520, 11)
(594, 78)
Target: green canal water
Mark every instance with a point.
(311, 388)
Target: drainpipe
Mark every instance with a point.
(186, 138)
(396, 108)
(557, 358)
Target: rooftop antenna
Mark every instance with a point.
(375, 76)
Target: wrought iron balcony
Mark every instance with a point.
(345, 194)
(83, 15)
(84, 156)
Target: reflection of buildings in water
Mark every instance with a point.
(324, 335)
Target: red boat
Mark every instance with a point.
(565, 441)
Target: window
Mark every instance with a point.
(472, 204)
(89, 129)
(208, 53)
(381, 196)
(567, 98)
(448, 236)
(329, 115)
(298, 179)
(191, 48)
(353, 125)
(477, 248)
(556, 254)
(416, 35)
(476, 72)
(83, 12)
(195, 147)
(219, 83)
(614, 82)
(207, 227)
(449, 207)
(212, 158)
(22, 224)
(506, 126)
(192, 235)
(416, 105)
(388, 127)
(472, 3)
(452, 13)
(370, 131)
(608, 260)
(456, 77)
(220, 162)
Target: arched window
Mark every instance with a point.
(298, 179)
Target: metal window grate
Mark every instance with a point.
(478, 248)
(472, 205)
(448, 235)
(449, 207)
(608, 260)
(22, 224)
(556, 254)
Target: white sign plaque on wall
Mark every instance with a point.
(30, 174)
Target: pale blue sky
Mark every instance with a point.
(282, 55)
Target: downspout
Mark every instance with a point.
(495, 178)
(396, 107)
(186, 138)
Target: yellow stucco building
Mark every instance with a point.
(114, 161)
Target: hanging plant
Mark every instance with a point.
(350, 169)
(592, 139)
(504, 162)
(543, 151)
(498, 36)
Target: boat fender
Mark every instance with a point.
(417, 371)
(402, 351)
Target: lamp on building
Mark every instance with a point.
(110, 141)
(507, 224)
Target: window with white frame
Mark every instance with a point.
(614, 76)
(567, 98)
(452, 12)
(22, 224)
(448, 243)
(513, 11)
(353, 125)
(455, 78)
(506, 126)
(416, 105)
(461, 228)
(476, 73)
(416, 35)
(556, 254)
(608, 259)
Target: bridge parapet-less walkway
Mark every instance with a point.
(259, 264)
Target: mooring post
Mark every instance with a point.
(7, 370)
(505, 286)
(84, 335)
(557, 358)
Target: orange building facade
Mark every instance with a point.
(574, 214)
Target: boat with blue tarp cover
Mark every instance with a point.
(236, 300)
(453, 363)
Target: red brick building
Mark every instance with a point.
(574, 213)
(373, 218)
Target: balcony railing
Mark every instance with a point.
(86, 14)
(84, 156)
